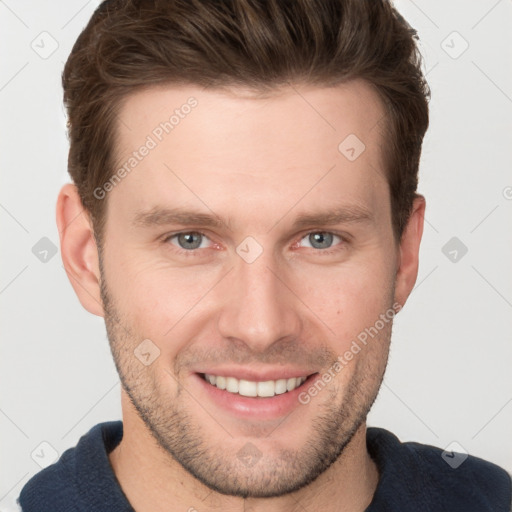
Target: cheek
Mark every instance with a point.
(159, 302)
(350, 297)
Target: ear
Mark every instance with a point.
(408, 255)
(78, 249)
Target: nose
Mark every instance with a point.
(258, 306)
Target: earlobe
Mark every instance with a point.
(78, 249)
(408, 257)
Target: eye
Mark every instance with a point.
(188, 241)
(321, 240)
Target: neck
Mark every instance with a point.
(151, 479)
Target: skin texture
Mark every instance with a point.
(256, 162)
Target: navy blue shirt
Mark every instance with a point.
(412, 477)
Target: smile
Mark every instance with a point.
(264, 389)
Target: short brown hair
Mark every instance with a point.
(261, 44)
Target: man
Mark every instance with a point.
(243, 210)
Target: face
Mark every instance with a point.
(247, 244)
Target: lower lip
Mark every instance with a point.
(255, 407)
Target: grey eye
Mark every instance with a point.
(190, 240)
(321, 240)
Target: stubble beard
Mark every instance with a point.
(277, 472)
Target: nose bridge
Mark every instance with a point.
(259, 308)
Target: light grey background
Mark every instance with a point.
(449, 377)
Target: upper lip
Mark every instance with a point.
(258, 375)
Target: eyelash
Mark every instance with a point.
(194, 252)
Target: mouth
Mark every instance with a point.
(253, 389)
(255, 395)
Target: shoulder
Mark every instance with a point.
(435, 478)
(60, 484)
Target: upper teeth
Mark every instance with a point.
(251, 388)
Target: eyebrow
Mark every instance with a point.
(160, 216)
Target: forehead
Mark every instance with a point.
(235, 150)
